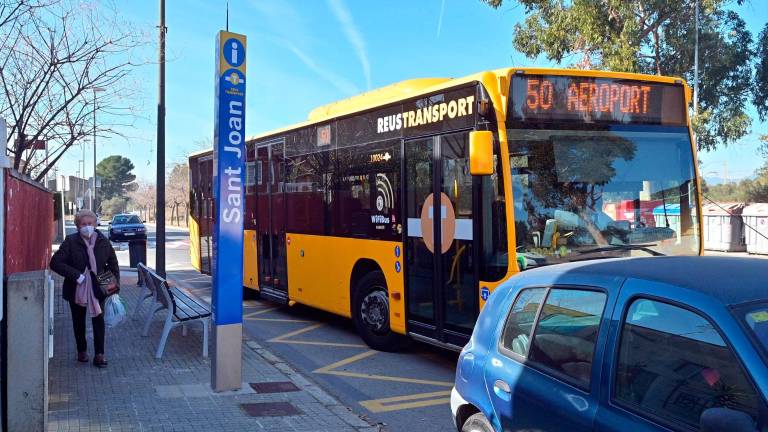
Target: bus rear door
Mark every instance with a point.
(270, 221)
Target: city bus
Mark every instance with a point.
(402, 208)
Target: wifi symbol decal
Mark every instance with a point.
(384, 195)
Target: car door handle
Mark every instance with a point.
(502, 386)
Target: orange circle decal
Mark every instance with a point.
(447, 218)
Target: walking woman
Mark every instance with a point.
(81, 257)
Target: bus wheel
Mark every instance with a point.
(370, 313)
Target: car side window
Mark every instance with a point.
(566, 333)
(674, 365)
(517, 329)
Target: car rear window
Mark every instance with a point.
(565, 336)
(563, 341)
(756, 318)
(126, 220)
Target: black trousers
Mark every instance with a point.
(78, 324)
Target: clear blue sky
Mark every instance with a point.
(302, 54)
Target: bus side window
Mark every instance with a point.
(352, 196)
(366, 191)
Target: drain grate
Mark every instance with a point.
(270, 409)
(274, 387)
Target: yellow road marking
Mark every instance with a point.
(331, 344)
(284, 339)
(329, 370)
(346, 361)
(295, 333)
(419, 400)
(279, 320)
(251, 316)
(259, 312)
(374, 405)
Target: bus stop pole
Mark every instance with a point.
(229, 154)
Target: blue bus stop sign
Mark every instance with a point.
(229, 154)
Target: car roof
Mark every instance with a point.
(731, 280)
(123, 215)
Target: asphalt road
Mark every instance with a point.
(406, 391)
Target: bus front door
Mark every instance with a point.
(270, 221)
(440, 255)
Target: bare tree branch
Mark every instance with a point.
(64, 62)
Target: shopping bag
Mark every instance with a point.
(114, 310)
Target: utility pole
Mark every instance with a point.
(160, 218)
(93, 187)
(93, 190)
(85, 178)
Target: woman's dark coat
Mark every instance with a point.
(71, 260)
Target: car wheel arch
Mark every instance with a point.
(463, 413)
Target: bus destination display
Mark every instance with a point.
(596, 100)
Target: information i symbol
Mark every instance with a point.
(234, 52)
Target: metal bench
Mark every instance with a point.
(147, 290)
(180, 308)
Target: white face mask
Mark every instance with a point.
(86, 230)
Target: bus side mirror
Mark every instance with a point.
(481, 152)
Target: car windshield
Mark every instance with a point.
(126, 219)
(756, 318)
(583, 194)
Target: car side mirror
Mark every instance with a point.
(481, 152)
(726, 419)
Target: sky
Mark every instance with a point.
(306, 53)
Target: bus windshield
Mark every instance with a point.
(623, 190)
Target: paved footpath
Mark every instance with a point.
(139, 393)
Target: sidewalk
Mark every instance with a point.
(138, 392)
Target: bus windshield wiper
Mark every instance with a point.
(642, 247)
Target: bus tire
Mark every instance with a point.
(370, 313)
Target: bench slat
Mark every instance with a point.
(186, 307)
(189, 302)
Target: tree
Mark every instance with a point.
(657, 37)
(116, 177)
(177, 191)
(764, 145)
(748, 190)
(143, 198)
(114, 205)
(760, 96)
(62, 62)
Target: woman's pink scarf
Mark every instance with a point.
(84, 295)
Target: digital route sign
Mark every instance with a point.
(543, 98)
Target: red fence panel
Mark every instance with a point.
(28, 224)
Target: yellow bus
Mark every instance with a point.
(404, 207)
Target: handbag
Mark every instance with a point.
(106, 285)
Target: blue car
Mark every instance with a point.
(127, 227)
(637, 344)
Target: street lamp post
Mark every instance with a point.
(93, 188)
(160, 207)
